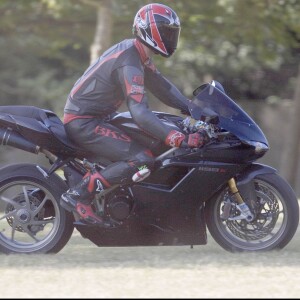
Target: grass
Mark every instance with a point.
(83, 270)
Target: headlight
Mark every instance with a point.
(259, 147)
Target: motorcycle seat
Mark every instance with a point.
(48, 118)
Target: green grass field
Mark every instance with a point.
(83, 270)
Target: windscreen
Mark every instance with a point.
(210, 101)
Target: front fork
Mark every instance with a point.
(245, 212)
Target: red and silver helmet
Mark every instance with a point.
(158, 27)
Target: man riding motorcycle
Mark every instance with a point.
(121, 74)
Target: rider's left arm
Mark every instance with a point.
(165, 90)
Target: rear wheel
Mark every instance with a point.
(276, 217)
(31, 219)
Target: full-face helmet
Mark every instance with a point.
(158, 27)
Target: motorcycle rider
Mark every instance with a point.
(121, 74)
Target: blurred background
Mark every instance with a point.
(252, 47)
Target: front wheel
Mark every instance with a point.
(275, 223)
(31, 220)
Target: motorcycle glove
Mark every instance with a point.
(175, 138)
(197, 139)
(193, 140)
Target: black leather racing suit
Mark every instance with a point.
(121, 74)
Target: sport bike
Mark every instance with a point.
(216, 189)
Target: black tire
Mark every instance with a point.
(31, 219)
(273, 227)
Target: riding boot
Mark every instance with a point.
(79, 198)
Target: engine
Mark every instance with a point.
(119, 205)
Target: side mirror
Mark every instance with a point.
(199, 89)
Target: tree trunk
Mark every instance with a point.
(291, 144)
(102, 37)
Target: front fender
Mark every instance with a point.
(245, 180)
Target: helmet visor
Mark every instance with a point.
(170, 36)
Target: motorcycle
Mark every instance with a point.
(218, 188)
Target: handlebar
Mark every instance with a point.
(165, 154)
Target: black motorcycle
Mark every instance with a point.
(246, 206)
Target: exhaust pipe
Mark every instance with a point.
(8, 137)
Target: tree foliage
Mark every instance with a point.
(251, 46)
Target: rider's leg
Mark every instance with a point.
(79, 198)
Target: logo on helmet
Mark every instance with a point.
(141, 23)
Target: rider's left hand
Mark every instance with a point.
(197, 139)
